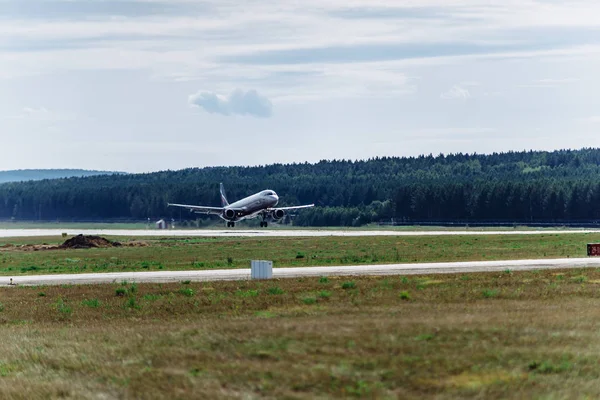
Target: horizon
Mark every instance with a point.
(142, 85)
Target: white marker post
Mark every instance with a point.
(261, 269)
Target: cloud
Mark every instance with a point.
(594, 119)
(551, 83)
(456, 93)
(237, 103)
(39, 114)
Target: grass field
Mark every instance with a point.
(493, 335)
(151, 254)
(217, 224)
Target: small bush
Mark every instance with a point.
(121, 292)
(186, 282)
(424, 337)
(299, 255)
(309, 300)
(404, 280)
(547, 367)
(63, 308)
(275, 290)
(323, 279)
(132, 303)
(133, 288)
(41, 294)
(92, 303)
(229, 260)
(324, 294)
(348, 285)
(187, 292)
(404, 295)
(488, 293)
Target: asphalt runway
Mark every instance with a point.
(357, 270)
(5, 233)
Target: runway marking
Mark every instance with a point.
(356, 270)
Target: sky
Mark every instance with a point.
(141, 86)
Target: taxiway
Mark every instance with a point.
(356, 270)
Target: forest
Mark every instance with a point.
(515, 187)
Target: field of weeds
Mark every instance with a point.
(31, 256)
(493, 335)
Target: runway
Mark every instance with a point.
(357, 270)
(6, 233)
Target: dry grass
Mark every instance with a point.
(535, 335)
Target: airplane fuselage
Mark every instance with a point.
(259, 204)
(250, 206)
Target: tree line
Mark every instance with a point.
(528, 186)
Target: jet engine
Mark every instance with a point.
(229, 214)
(278, 214)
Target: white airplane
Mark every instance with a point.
(259, 204)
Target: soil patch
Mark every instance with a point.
(86, 242)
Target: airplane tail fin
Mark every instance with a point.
(224, 201)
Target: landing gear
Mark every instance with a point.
(264, 224)
(230, 224)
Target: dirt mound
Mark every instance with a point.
(86, 242)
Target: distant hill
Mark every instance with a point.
(39, 174)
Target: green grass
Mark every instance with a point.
(237, 340)
(164, 253)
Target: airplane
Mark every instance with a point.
(259, 204)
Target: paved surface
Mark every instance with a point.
(271, 232)
(242, 274)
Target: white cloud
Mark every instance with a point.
(594, 119)
(551, 82)
(456, 93)
(39, 114)
(237, 103)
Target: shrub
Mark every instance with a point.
(62, 307)
(309, 300)
(186, 282)
(488, 293)
(348, 285)
(187, 292)
(323, 279)
(132, 303)
(121, 292)
(404, 295)
(424, 337)
(275, 290)
(324, 294)
(92, 303)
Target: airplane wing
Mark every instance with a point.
(292, 208)
(199, 209)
